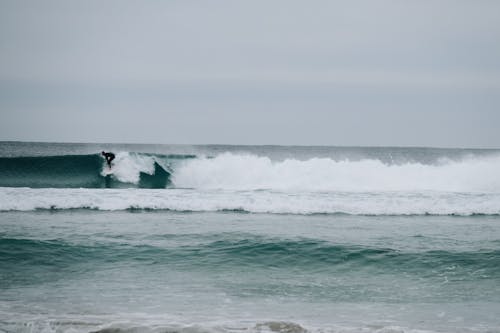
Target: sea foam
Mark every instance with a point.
(127, 167)
(356, 203)
(250, 172)
(251, 183)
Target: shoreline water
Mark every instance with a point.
(156, 271)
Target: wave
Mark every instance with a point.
(251, 183)
(228, 171)
(246, 251)
(86, 171)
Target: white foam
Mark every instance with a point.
(126, 167)
(370, 203)
(142, 323)
(258, 184)
(250, 172)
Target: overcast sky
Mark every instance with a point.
(397, 73)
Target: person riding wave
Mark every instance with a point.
(109, 157)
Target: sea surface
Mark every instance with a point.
(248, 239)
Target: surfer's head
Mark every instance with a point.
(103, 153)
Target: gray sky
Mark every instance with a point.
(399, 73)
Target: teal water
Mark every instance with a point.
(89, 271)
(72, 171)
(252, 239)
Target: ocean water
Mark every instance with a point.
(195, 239)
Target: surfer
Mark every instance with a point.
(109, 157)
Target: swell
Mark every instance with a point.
(21, 256)
(83, 171)
(52, 171)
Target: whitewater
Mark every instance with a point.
(462, 183)
(250, 172)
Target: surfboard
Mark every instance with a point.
(107, 170)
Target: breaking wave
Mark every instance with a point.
(250, 172)
(228, 171)
(251, 183)
(85, 171)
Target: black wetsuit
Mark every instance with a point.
(109, 157)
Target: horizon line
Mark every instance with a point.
(249, 145)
